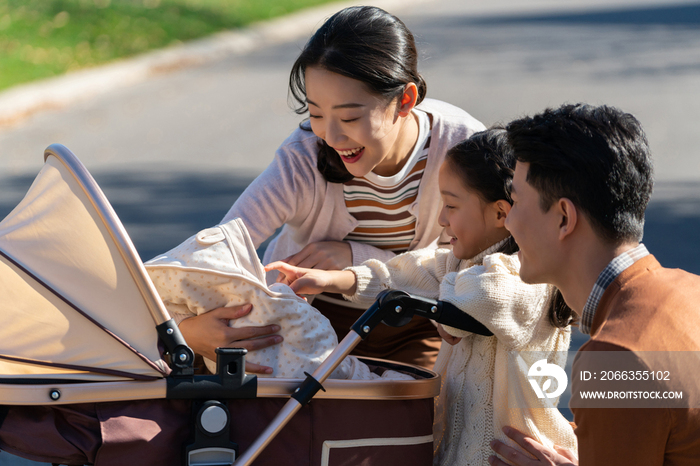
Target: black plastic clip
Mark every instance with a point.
(308, 388)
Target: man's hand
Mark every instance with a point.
(541, 455)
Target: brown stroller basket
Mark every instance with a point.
(94, 371)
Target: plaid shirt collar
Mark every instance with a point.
(606, 277)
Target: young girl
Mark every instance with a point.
(485, 378)
(358, 180)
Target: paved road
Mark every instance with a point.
(497, 59)
(159, 147)
(173, 152)
(209, 129)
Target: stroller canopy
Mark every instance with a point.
(76, 301)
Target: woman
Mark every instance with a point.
(358, 180)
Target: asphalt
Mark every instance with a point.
(221, 103)
(200, 121)
(174, 136)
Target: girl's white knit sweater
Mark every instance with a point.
(484, 379)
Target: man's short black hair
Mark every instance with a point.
(597, 157)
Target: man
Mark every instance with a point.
(581, 186)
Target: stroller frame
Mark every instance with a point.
(212, 445)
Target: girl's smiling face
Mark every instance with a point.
(370, 134)
(472, 224)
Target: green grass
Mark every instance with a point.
(42, 38)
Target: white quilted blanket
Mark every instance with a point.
(219, 267)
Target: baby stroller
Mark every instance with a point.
(94, 371)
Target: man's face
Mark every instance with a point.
(535, 231)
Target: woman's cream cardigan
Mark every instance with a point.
(485, 379)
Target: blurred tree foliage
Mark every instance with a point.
(41, 38)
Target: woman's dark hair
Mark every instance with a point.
(363, 43)
(486, 162)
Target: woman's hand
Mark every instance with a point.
(543, 456)
(314, 281)
(324, 255)
(206, 332)
(447, 337)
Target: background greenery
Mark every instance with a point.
(41, 38)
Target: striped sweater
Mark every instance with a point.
(381, 204)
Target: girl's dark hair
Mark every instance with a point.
(486, 162)
(560, 314)
(363, 43)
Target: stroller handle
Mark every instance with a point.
(397, 308)
(392, 307)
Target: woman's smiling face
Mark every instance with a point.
(361, 126)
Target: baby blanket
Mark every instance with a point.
(219, 267)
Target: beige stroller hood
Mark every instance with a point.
(77, 303)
